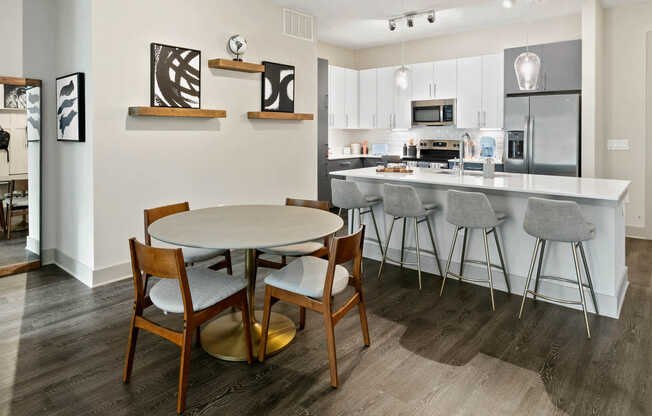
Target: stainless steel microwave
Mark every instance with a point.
(433, 113)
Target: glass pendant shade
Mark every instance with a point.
(402, 78)
(527, 67)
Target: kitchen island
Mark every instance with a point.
(602, 201)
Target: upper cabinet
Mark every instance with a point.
(434, 80)
(493, 96)
(343, 97)
(480, 92)
(368, 99)
(385, 97)
(561, 67)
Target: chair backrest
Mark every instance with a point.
(153, 214)
(344, 249)
(166, 263)
(554, 220)
(470, 209)
(308, 203)
(402, 201)
(347, 195)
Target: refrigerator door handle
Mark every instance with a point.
(526, 145)
(530, 154)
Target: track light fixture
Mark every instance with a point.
(410, 19)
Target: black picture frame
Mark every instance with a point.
(171, 101)
(62, 111)
(273, 68)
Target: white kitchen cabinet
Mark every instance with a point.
(492, 91)
(351, 100)
(368, 99)
(445, 79)
(339, 97)
(402, 109)
(385, 97)
(469, 92)
(422, 81)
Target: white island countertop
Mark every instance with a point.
(585, 188)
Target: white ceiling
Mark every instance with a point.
(357, 24)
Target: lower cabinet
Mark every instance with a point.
(326, 167)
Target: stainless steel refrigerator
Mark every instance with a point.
(542, 134)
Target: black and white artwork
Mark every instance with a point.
(15, 96)
(278, 88)
(175, 77)
(33, 114)
(71, 122)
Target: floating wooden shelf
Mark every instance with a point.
(235, 65)
(268, 115)
(176, 112)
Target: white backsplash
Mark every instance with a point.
(339, 138)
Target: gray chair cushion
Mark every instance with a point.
(470, 210)
(192, 254)
(207, 288)
(347, 195)
(556, 221)
(402, 201)
(302, 249)
(306, 276)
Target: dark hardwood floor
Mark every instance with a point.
(62, 348)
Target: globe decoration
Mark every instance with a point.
(238, 46)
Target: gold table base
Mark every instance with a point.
(224, 337)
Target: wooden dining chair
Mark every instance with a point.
(17, 206)
(311, 282)
(309, 248)
(200, 294)
(191, 255)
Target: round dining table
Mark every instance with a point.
(248, 227)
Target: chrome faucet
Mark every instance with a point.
(461, 161)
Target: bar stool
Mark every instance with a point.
(402, 201)
(347, 195)
(559, 221)
(468, 210)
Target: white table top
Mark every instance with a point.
(588, 188)
(245, 226)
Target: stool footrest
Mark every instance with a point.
(568, 302)
(404, 263)
(484, 263)
(464, 278)
(563, 279)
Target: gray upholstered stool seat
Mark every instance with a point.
(306, 276)
(469, 210)
(559, 221)
(295, 250)
(402, 201)
(347, 195)
(192, 254)
(207, 287)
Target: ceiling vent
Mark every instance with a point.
(298, 25)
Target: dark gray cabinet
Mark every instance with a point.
(327, 166)
(561, 67)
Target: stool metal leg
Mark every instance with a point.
(448, 263)
(536, 281)
(380, 242)
(581, 289)
(389, 236)
(416, 237)
(491, 279)
(588, 276)
(403, 242)
(502, 261)
(464, 242)
(529, 276)
(434, 246)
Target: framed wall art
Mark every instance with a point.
(175, 77)
(71, 114)
(278, 88)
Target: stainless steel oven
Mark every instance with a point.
(433, 113)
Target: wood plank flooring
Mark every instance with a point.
(62, 349)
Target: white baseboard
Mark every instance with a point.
(111, 274)
(33, 245)
(82, 272)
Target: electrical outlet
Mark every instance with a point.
(618, 144)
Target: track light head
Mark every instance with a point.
(392, 25)
(431, 17)
(410, 21)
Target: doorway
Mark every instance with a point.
(20, 175)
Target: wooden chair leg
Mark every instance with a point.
(330, 340)
(198, 336)
(229, 265)
(3, 224)
(267, 310)
(363, 321)
(131, 349)
(9, 223)
(246, 320)
(302, 317)
(183, 370)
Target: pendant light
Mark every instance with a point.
(402, 75)
(527, 66)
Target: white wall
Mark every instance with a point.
(625, 30)
(146, 162)
(472, 43)
(336, 55)
(11, 33)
